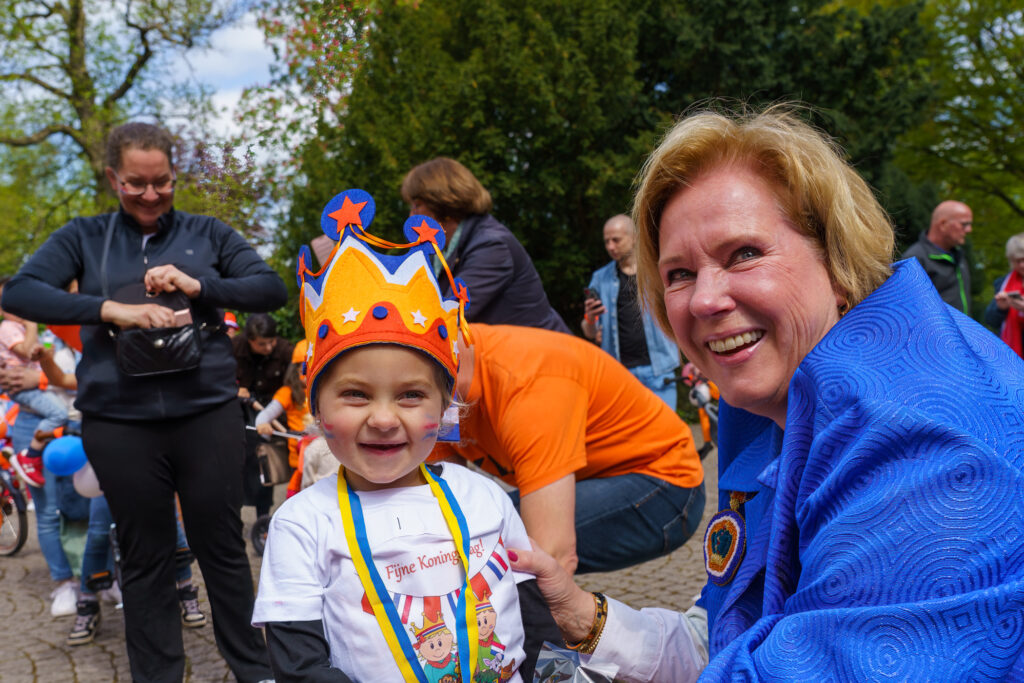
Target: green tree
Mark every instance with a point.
(77, 69)
(36, 194)
(555, 104)
(861, 72)
(971, 143)
(69, 72)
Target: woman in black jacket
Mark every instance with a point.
(149, 437)
(503, 284)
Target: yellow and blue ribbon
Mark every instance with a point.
(384, 610)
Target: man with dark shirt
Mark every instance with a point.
(614, 317)
(940, 254)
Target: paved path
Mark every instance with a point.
(32, 646)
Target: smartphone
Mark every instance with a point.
(588, 293)
(182, 317)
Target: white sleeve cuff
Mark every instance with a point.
(650, 644)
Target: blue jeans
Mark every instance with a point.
(53, 411)
(663, 385)
(46, 500)
(625, 520)
(98, 556)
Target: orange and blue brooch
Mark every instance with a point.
(725, 540)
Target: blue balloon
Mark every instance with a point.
(65, 455)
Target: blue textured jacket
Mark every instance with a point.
(663, 351)
(886, 537)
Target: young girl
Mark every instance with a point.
(289, 400)
(391, 570)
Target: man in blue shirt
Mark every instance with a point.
(615, 319)
(939, 252)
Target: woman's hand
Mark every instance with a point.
(170, 279)
(572, 607)
(18, 378)
(1005, 302)
(136, 315)
(265, 429)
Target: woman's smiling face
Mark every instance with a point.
(747, 295)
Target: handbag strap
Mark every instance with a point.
(106, 250)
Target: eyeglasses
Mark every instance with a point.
(135, 189)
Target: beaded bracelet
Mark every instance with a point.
(589, 644)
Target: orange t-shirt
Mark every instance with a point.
(295, 420)
(545, 404)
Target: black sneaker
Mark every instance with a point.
(87, 620)
(191, 617)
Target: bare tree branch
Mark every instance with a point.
(37, 45)
(35, 80)
(39, 136)
(140, 61)
(980, 182)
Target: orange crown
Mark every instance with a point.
(364, 297)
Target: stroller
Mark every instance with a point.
(272, 460)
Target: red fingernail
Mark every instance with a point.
(513, 555)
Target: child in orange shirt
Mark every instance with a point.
(290, 400)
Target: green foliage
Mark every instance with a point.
(76, 70)
(554, 104)
(862, 73)
(971, 143)
(214, 180)
(514, 87)
(69, 73)
(37, 196)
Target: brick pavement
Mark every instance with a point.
(32, 646)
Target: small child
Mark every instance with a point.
(19, 347)
(289, 400)
(391, 570)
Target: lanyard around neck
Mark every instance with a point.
(384, 610)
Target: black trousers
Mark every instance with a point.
(140, 465)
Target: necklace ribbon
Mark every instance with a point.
(384, 610)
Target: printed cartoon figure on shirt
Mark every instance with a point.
(492, 652)
(434, 643)
(408, 547)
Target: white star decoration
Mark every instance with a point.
(419, 318)
(350, 316)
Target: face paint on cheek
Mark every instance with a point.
(431, 431)
(328, 429)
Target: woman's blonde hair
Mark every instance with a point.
(816, 189)
(449, 189)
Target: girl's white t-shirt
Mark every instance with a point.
(308, 574)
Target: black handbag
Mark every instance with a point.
(158, 350)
